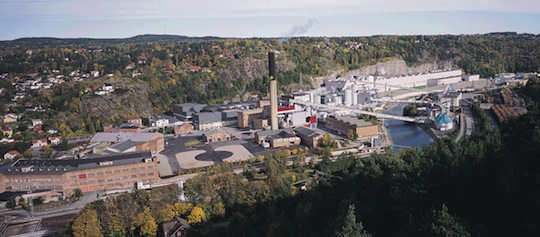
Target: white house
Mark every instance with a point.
(107, 87)
(11, 154)
(55, 140)
(36, 122)
(40, 142)
(159, 122)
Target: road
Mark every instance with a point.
(68, 209)
(462, 124)
(468, 120)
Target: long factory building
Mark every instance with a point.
(118, 171)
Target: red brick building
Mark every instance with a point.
(342, 124)
(119, 171)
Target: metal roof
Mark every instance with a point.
(123, 146)
(120, 137)
(443, 118)
(38, 166)
(207, 117)
(306, 132)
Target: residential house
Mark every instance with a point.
(38, 128)
(309, 137)
(10, 118)
(105, 89)
(37, 124)
(8, 132)
(135, 121)
(7, 140)
(11, 154)
(176, 227)
(194, 68)
(40, 142)
(55, 140)
(216, 135)
(19, 95)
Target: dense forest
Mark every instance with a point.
(487, 184)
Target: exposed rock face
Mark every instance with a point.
(399, 67)
(249, 69)
(132, 98)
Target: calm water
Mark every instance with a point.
(405, 134)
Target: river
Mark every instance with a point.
(404, 134)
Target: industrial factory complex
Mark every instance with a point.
(118, 158)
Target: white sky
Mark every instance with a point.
(19, 17)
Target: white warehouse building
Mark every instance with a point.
(421, 79)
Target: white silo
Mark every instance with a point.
(354, 87)
(337, 99)
(348, 97)
(354, 98)
(371, 80)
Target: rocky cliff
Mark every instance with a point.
(250, 69)
(398, 67)
(130, 98)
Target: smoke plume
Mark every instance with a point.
(298, 30)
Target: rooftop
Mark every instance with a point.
(38, 166)
(213, 131)
(354, 121)
(306, 132)
(123, 146)
(443, 118)
(273, 132)
(120, 137)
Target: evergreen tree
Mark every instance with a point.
(350, 227)
(444, 224)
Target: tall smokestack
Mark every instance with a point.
(273, 90)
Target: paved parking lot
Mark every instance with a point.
(239, 153)
(177, 156)
(187, 160)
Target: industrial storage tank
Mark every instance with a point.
(354, 87)
(348, 97)
(370, 80)
(354, 98)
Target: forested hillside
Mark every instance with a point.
(175, 69)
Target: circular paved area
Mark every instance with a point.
(207, 157)
(187, 159)
(239, 152)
